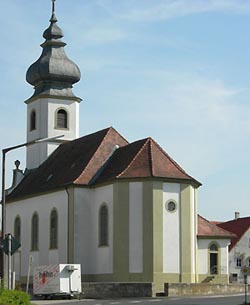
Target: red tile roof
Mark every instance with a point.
(142, 159)
(97, 158)
(208, 229)
(73, 162)
(237, 226)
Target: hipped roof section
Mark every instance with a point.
(100, 157)
(143, 159)
(208, 229)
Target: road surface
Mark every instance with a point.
(211, 300)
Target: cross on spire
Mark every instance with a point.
(53, 6)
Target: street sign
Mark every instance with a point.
(15, 245)
(245, 270)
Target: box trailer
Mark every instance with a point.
(60, 279)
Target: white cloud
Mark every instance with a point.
(199, 121)
(150, 10)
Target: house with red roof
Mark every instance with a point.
(239, 249)
(127, 212)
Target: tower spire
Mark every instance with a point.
(53, 15)
(52, 75)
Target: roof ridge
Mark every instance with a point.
(173, 161)
(242, 233)
(107, 131)
(136, 155)
(238, 219)
(151, 156)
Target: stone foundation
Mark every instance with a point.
(117, 290)
(202, 289)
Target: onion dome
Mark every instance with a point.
(53, 74)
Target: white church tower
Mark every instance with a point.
(53, 109)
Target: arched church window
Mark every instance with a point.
(34, 232)
(53, 229)
(17, 228)
(32, 120)
(103, 225)
(61, 119)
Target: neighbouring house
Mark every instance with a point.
(127, 212)
(239, 249)
(213, 244)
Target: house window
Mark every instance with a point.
(103, 226)
(34, 232)
(238, 262)
(32, 120)
(234, 277)
(61, 119)
(53, 229)
(17, 228)
(248, 262)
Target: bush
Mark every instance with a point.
(14, 297)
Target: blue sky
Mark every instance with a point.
(175, 70)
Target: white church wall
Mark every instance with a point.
(94, 259)
(135, 227)
(82, 228)
(42, 205)
(203, 255)
(171, 229)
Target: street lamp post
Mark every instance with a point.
(4, 152)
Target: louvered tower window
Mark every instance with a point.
(62, 119)
(33, 120)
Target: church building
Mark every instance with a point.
(127, 212)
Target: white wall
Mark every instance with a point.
(45, 127)
(43, 206)
(171, 229)
(203, 255)
(136, 227)
(94, 259)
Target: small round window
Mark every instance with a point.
(171, 206)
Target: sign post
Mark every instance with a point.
(9, 246)
(245, 271)
(9, 261)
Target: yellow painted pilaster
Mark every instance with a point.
(187, 234)
(121, 231)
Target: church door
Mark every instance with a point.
(213, 258)
(213, 263)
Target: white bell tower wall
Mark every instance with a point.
(43, 121)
